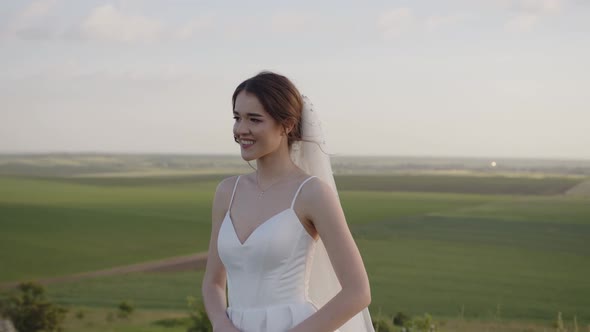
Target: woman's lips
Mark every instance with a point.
(246, 146)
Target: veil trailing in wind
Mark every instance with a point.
(309, 154)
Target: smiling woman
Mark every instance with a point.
(279, 237)
(264, 107)
(252, 127)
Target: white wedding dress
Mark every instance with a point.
(268, 274)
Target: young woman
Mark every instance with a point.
(279, 237)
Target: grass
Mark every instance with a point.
(448, 253)
(461, 184)
(106, 320)
(61, 228)
(444, 279)
(53, 241)
(166, 291)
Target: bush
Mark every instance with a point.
(401, 319)
(80, 314)
(199, 319)
(423, 323)
(172, 322)
(126, 308)
(30, 311)
(382, 324)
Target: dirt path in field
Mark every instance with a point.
(582, 189)
(173, 264)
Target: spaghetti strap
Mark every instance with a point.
(300, 186)
(233, 193)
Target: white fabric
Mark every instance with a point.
(268, 274)
(312, 157)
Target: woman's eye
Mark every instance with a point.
(236, 118)
(256, 120)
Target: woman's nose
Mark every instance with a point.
(241, 128)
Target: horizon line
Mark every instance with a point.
(450, 156)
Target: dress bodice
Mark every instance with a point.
(268, 274)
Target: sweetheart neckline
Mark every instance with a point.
(228, 216)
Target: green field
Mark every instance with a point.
(480, 247)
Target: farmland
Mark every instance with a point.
(451, 241)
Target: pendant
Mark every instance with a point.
(261, 193)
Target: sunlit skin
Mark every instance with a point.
(271, 151)
(316, 203)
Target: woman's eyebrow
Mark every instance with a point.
(256, 115)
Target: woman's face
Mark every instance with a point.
(256, 131)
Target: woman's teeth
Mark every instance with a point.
(247, 144)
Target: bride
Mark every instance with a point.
(279, 237)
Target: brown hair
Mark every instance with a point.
(279, 97)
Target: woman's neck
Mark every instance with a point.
(275, 165)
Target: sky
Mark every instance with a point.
(468, 78)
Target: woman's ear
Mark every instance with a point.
(288, 127)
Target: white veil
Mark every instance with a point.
(311, 157)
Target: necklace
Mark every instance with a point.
(263, 191)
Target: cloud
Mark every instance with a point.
(29, 22)
(528, 13)
(35, 33)
(103, 23)
(110, 24)
(394, 22)
(540, 6)
(38, 8)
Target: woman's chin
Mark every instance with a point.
(247, 156)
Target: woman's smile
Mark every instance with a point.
(246, 144)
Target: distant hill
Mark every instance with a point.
(146, 165)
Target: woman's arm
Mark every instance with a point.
(213, 287)
(324, 209)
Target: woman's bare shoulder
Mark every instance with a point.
(222, 198)
(226, 183)
(316, 191)
(225, 187)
